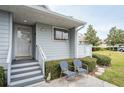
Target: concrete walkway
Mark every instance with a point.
(80, 81)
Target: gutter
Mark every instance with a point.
(80, 27)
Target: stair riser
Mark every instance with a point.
(25, 80)
(25, 74)
(21, 67)
(24, 69)
(25, 64)
(28, 83)
(25, 77)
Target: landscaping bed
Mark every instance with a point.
(115, 73)
(102, 60)
(2, 77)
(55, 70)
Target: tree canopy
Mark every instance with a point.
(91, 37)
(115, 36)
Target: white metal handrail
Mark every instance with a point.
(9, 60)
(43, 57)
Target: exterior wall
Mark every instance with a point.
(53, 49)
(84, 50)
(4, 36)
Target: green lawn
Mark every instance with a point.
(115, 73)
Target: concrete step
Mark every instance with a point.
(24, 81)
(36, 84)
(27, 71)
(24, 64)
(23, 61)
(25, 74)
(24, 69)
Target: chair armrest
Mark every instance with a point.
(70, 66)
(86, 66)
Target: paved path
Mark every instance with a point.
(80, 81)
(100, 70)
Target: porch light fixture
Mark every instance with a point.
(25, 21)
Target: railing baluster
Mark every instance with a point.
(43, 57)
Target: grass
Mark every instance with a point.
(115, 73)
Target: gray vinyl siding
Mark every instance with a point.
(4, 37)
(53, 49)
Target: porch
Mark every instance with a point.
(80, 81)
(31, 35)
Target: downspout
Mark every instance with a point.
(80, 27)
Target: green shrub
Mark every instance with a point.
(96, 48)
(91, 62)
(112, 48)
(54, 68)
(99, 49)
(102, 60)
(2, 77)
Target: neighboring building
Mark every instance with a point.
(82, 39)
(31, 35)
(103, 44)
(84, 48)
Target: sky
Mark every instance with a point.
(101, 17)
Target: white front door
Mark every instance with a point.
(23, 41)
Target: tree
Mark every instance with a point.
(91, 37)
(115, 36)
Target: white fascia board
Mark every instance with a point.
(56, 14)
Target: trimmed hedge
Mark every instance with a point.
(2, 77)
(91, 62)
(103, 49)
(55, 70)
(102, 60)
(99, 49)
(96, 48)
(112, 48)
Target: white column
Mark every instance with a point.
(73, 43)
(76, 44)
(9, 57)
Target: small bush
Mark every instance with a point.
(112, 48)
(99, 49)
(2, 77)
(55, 70)
(102, 60)
(91, 62)
(96, 48)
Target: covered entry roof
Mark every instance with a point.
(30, 15)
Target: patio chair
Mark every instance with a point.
(79, 67)
(65, 70)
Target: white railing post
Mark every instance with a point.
(9, 66)
(43, 57)
(9, 56)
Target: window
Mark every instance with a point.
(60, 34)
